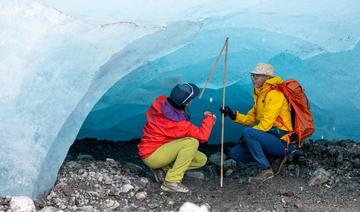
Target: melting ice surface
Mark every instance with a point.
(72, 70)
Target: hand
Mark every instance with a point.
(228, 112)
(207, 112)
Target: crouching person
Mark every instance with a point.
(169, 145)
(269, 120)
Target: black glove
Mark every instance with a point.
(228, 112)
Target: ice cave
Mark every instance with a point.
(76, 70)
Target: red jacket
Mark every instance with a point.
(159, 129)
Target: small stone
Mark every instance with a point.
(230, 164)
(347, 166)
(320, 176)
(189, 206)
(114, 191)
(111, 204)
(340, 158)
(22, 203)
(195, 174)
(134, 168)
(50, 209)
(108, 181)
(81, 171)
(288, 194)
(153, 205)
(215, 158)
(211, 171)
(126, 188)
(85, 157)
(92, 174)
(87, 208)
(110, 160)
(356, 163)
(228, 172)
(144, 181)
(131, 194)
(141, 196)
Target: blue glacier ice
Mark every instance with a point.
(74, 70)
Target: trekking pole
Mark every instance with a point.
(213, 68)
(223, 116)
(225, 47)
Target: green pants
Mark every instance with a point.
(176, 157)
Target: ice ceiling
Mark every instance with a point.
(73, 70)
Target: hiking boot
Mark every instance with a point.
(159, 175)
(262, 176)
(174, 187)
(278, 164)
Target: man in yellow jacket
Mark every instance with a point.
(269, 120)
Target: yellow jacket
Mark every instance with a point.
(269, 104)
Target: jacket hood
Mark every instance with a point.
(267, 84)
(273, 81)
(162, 107)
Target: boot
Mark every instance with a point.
(262, 176)
(159, 175)
(278, 164)
(174, 187)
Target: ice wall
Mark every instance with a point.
(54, 69)
(315, 46)
(57, 64)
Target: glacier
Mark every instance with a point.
(74, 70)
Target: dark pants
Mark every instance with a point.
(260, 146)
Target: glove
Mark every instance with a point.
(208, 112)
(228, 112)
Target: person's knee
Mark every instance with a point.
(248, 134)
(234, 153)
(193, 142)
(202, 159)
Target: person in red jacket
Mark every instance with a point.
(169, 145)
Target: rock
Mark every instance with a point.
(228, 172)
(22, 204)
(108, 181)
(230, 164)
(111, 204)
(81, 171)
(340, 158)
(92, 174)
(211, 171)
(110, 160)
(85, 157)
(114, 191)
(347, 165)
(320, 176)
(356, 163)
(126, 188)
(216, 158)
(144, 181)
(288, 194)
(134, 168)
(87, 208)
(195, 174)
(141, 196)
(354, 150)
(191, 207)
(50, 209)
(153, 205)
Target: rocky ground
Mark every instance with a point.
(109, 176)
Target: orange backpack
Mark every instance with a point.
(301, 116)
